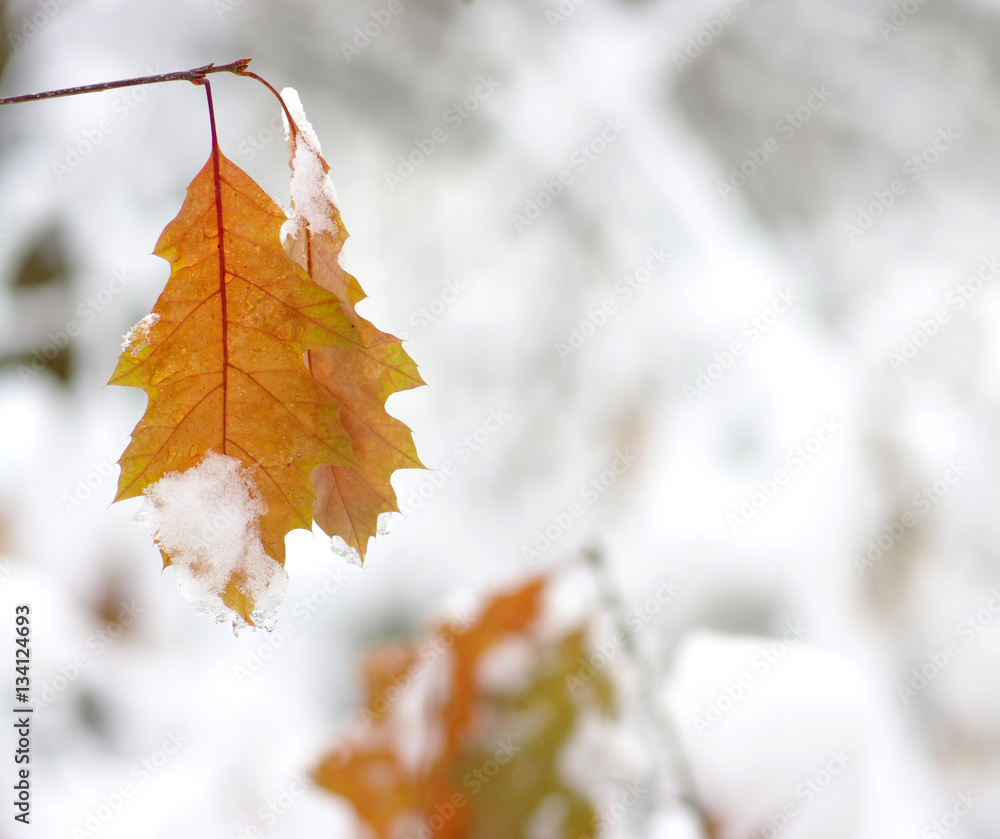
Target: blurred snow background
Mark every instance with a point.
(858, 413)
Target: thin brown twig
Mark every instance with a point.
(198, 73)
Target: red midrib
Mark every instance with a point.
(217, 167)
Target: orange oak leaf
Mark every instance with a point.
(349, 497)
(236, 424)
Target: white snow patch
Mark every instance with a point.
(345, 551)
(548, 818)
(603, 757)
(507, 667)
(208, 520)
(138, 336)
(311, 189)
(419, 691)
(786, 727)
(386, 522)
(351, 556)
(673, 823)
(406, 708)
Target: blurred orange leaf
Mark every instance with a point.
(458, 758)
